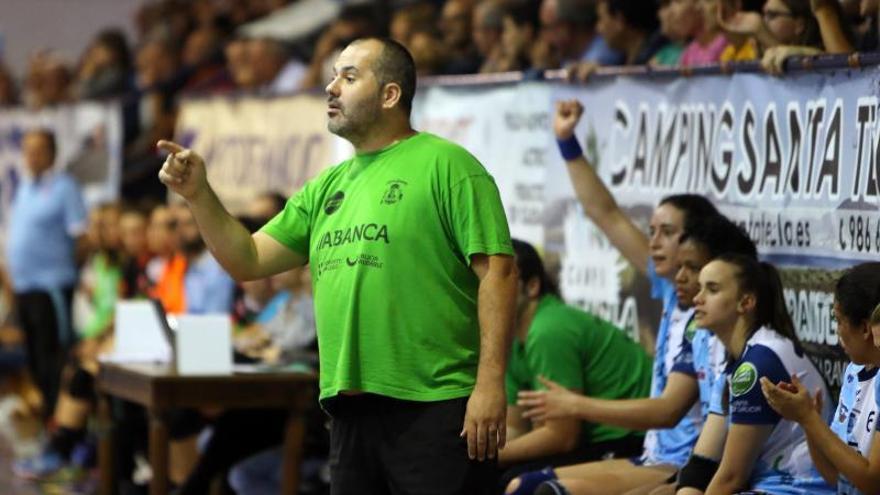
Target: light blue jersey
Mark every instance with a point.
(702, 357)
(673, 445)
(784, 466)
(855, 420)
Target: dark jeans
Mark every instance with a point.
(46, 343)
(384, 446)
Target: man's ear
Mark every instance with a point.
(391, 94)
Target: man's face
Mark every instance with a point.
(554, 30)
(190, 238)
(353, 96)
(162, 231)
(455, 23)
(485, 37)
(610, 26)
(133, 233)
(38, 155)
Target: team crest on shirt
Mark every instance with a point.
(743, 379)
(394, 192)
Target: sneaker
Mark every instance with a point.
(38, 466)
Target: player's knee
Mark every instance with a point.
(526, 484)
(512, 486)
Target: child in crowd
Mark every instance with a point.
(709, 42)
(674, 31)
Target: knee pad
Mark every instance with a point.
(528, 482)
(552, 487)
(82, 385)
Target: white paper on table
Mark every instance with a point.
(139, 335)
(204, 345)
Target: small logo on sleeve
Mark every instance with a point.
(743, 379)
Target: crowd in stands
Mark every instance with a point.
(209, 46)
(144, 247)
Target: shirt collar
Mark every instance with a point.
(44, 178)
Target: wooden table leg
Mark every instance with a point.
(294, 435)
(158, 454)
(105, 446)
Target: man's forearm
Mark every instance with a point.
(495, 301)
(229, 241)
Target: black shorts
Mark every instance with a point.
(380, 446)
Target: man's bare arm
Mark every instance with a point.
(244, 256)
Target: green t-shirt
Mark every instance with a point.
(389, 236)
(579, 351)
(669, 55)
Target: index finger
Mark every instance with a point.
(169, 146)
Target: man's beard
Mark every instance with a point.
(353, 122)
(192, 247)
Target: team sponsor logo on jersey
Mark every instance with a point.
(333, 202)
(691, 330)
(366, 232)
(743, 379)
(394, 192)
(364, 260)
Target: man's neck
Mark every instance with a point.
(382, 138)
(36, 176)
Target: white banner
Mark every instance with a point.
(253, 145)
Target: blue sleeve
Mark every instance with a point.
(747, 402)
(222, 291)
(684, 360)
(718, 398)
(75, 216)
